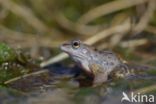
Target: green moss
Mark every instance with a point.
(6, 53)
(152, 72)
(83, 93)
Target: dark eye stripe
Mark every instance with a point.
(65, 44)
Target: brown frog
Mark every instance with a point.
(98, 64)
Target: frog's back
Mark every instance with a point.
(108, 60)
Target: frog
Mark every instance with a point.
(97, 64)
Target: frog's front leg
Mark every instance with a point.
(100, 76)
(95, 68)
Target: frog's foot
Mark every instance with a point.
(121, 71)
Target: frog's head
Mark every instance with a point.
(77, 50)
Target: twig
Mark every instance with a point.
(122, 28)
(15, 38)
(145, 18)
(146, 89)
(26, 14)
(76, 27)
(25, 76)
(108, 8)
(151, 29)
(133, 43)
(55, 59)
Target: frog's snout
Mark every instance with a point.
(64, 48)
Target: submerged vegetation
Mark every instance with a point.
(33, 70)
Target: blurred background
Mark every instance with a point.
(38, 27)
(109, 24)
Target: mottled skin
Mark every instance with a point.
(98, 64)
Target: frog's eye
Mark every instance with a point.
(76, 44)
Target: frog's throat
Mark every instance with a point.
(82, 62)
